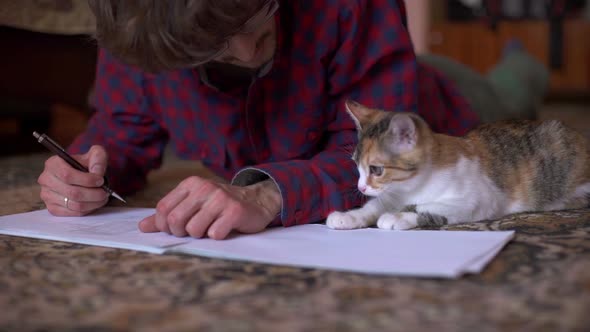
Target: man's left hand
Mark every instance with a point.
(199, 207)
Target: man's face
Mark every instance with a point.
(252, 49)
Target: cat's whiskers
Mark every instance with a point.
(359, 194)
(391, 195)
(381, 202)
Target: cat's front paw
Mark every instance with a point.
(398, 221)
(343, 220)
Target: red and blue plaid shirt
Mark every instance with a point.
(289, 124)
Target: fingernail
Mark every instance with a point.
(99, 182)
(97, 169)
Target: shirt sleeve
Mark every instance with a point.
(373, 63)
(124, 125)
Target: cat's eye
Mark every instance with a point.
(376, 170)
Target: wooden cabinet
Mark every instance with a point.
(477, 45)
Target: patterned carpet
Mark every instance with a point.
(539, 282)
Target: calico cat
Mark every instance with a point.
(419, 178)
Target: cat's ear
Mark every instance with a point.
(403, 133)
(361, 114)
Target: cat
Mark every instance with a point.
(420, 178)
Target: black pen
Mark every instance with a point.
(58, 150)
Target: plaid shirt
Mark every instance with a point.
(290, 124)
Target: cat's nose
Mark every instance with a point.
(363, 188)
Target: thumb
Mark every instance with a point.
(97, 160)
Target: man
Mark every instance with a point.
(255, 89)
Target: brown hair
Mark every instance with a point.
(159, 35)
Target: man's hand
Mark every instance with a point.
(67, 191)
(199, 207)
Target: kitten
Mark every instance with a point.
(419, 178)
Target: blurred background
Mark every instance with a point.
(48, 58)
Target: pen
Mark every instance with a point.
(57, 149)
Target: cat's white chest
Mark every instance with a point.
(463, 186)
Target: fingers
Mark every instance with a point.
(97, 160)
(165, 207)
(58, 205)
(59, 180)
(182, 213)
(199, 208)
(189, 209)
(148, 224)
(73, 192)
(55, 167)
(208, 215)
(221, 227)
(234, 216)
(175, 209)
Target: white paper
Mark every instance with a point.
(447, 254)
(109, 227)
(374, 251)
(477, 265)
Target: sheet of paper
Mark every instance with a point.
(477, 265)
(109, 227)
(447, 254)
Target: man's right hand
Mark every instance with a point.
(67, 191)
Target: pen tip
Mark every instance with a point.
(118, 197)
(36, 134)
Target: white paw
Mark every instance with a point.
(343, 220)
(398, 221)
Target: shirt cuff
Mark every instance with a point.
(250, 176)
(308, 194)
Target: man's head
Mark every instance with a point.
(159, 35)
